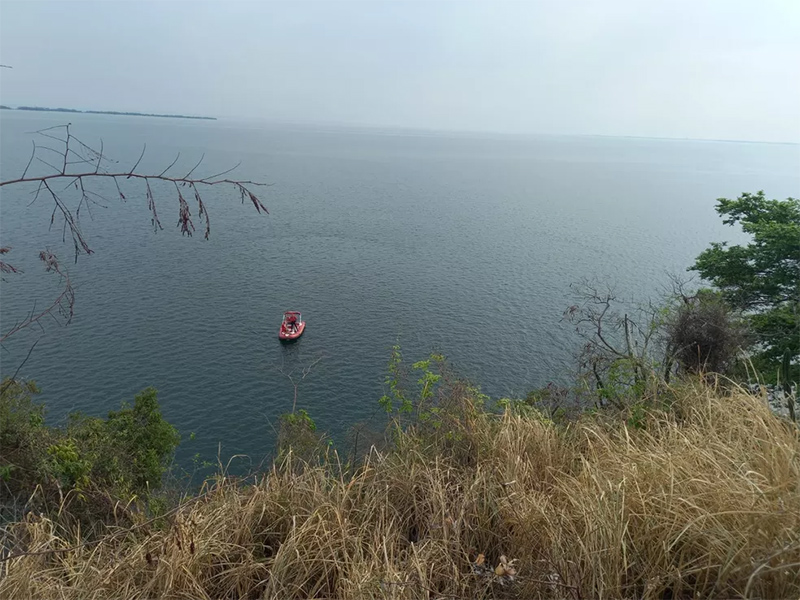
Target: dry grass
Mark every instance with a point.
(702, 501)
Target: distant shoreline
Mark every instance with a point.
(104, 112)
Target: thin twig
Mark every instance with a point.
(30, 160)
(172, 164)
(63, 304)
(19, 368)
(189, 174)
(141, 156)
(233, 168)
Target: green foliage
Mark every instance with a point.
(130, 449)
(761, 278)
(529, 409)
(69, 465)
(19, 416)
(395, 398)
(298, 434)
(143, 438)
(436, 409)
(415, 404)
(23, 437)
(299, 419)
(637, 416)
(427, 381)
(623, 382)
(123, 456)
(547, 396)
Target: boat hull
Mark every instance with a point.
(288, 336)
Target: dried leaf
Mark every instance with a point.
(480, 560)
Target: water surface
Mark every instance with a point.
(377, 236)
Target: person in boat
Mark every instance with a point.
(292, 324)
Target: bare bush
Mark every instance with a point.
(622, 352)
(704, 334)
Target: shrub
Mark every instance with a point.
(298, 437)
(701, 502)
(23, 437)
(704, 334)
(122, 457)
(133, 446)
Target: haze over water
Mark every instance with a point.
(460, 243)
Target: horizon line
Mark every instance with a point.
(403, 128)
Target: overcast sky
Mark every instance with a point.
(722, 69)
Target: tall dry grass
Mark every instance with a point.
(703, 500)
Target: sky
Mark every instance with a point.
(708, 69)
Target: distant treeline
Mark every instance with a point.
(105, 112)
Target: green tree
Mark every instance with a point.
(131, 449)
(761, 278)
(124, 455)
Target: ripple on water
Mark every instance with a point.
(378, 239)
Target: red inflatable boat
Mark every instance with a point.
(292, 326)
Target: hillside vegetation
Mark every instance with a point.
(653, 476)
(695, 495)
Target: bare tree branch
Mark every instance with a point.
(41, 160)
(69, 221)
(151, 204)
(30, 160)
(141, 156)
(304, 372)
(201, 210)
(13, 378)
(128, 175)
(4, 266)
(85, 154)
(62, 307)
(119, 191)
(623, 343)
(76, 152)
(189, 174)
(172, 164)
